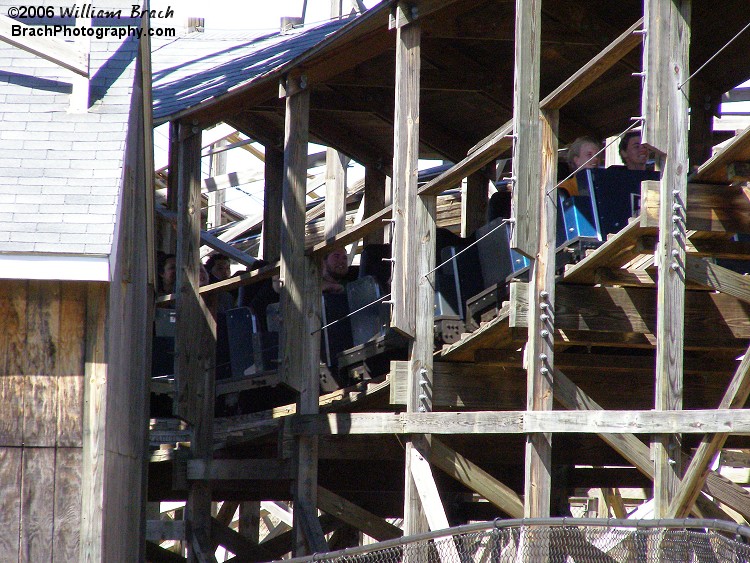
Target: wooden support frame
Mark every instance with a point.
(300, 305)
(474, 202)
(274, 175)
(405, 168)
(351, 514)
(335, 202)
(375, 185)
(697, 471)
(665, 111)
(526, 77)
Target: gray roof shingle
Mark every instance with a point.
(61, 172)
(199, 66)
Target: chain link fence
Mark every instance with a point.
(562, 540)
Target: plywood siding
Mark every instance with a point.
(43, 327)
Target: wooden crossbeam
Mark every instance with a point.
(237, 469)
(712, 319)
(475, 478)
(718, 278)
(697, 421)
(697, 472)
(712, 208)
(636, 452)
(351, 514)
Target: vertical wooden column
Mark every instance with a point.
(474, 203)
(665, 110)
(405, 171)
(195, 338)
(704, 105)
(300, 307)
(274, 179)
(335, 216)
(540, 347)
(374, 199)
(168, 236)
(526, 126)
(217, 197)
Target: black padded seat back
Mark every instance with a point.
(373, 261)
(367, 323)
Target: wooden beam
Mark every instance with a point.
(475, 478)
(667, 55)
(636, 452)
(473, 203)
(424, 482)
(405, 169)
(195, 335)
(540, 348)
(237, 469)
(597, 66)
(714, 170)
(526, 149)
(335, 202)
(351, 514)
(714, 208)
(51, 49)
(713, 276)
(271, 234)
(697, 471)
(697, 421)
(374, 187)
(712, 319)
(300, 305)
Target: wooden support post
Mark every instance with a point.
(375, 186)
(271, 235)
(665, 111)
(335, 217)
(249, 521)
(300, 306)
(697, 472)
(195, 336)
(540, 346)
(216, 197)
(704, 105)
(405, 161)
(474, 203)
(168, 236)
(526, 126)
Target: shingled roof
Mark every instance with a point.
(60, 171)
(199, 66)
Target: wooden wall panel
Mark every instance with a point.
(11, 410)
(70, 365)
(67, 507)
(37, 504)
(10, 501)
(40, 351)
(12, 327)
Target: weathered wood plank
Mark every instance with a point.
(94, 422)
(617, 251)
(274, 176)
(711, 319)
(719, 209)
(526, 147)
(593, 69)
(715, 169)
(13, 295)
(71, 365)
(374, 188)
(697, 421)
(350, 513)
(234, 469)
(713, 276)
(67, 507)
(636, 452)
(475, 478)
(335, 202)
(42, 339)
(695, 475)
(405, 169)
(10, 501)
(672, 112)
(37, 504)
(473, 203)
